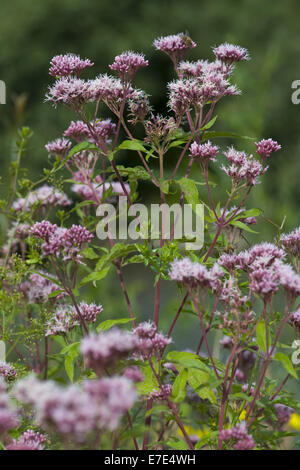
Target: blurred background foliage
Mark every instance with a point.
(32, 32)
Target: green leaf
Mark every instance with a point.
(255, 212)
(241, 225)
(132, 145)
(177, 444)
(72, 352)
(178, 390)
(187, 359)
(287, 364)
(176, 143)
(79, 148)
(137, 172)
(190, 190)
(210, 123)
(261, 336)
(117, 251)
(165, 187)
(89, 253)
(95, 276)
(197, 380)
(149, 383)
(232, 135)
(107, 324)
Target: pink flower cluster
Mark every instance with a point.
(139, 106)
(295, 319)
(174, 45)
(243, 441)
(59, 147)
(200, 68)
(111, 91)
(8, 415)
(162, 393)
(230, 53)
(204, 152)
(71, 91)
(102, 130)
(58, 240)
(266, 269)
(193, 274)
(7, 371)
(283, 413)
(267, 146)
(66, 317)
(76, 411)
(68, 64)
(159, 128)
(185, 93)
(107, 347)
(29, 440)
(291, 242)
(133, 373)
(243, 168)
(43, 196)
(150, 341)
(127, 64)
(39, 288)
(95, 190)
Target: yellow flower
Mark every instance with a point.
(294, 421)
(199, 433)
(243, 415)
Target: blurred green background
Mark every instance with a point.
(32, 32)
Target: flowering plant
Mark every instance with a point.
(129, 386)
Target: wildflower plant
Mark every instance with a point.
(126, 384)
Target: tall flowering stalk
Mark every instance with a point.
(115, 376)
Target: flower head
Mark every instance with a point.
(71, 91)
(59, 147)
(29, 440)
(243, 167)
(7, 371)
(68, 64)
(107, 347)
(193, 274)
(291, 242)
(204, 152)
(266, 146)
(174, 45)
(127, 64)
(230, 53)
(42, 197)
